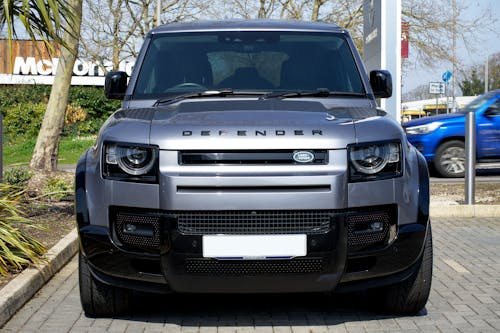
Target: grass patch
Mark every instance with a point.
(19, 153)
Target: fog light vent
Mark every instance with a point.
(141, 231)
(365, 229)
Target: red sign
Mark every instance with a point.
(405, 34)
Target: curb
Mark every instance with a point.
(20, 290)
(440, 210)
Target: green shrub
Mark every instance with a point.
(87, 98)
(18, 249)
(92, 100)
(23, 120)
(56, 189)
(11, 95)
(87, 127)
(17, 176)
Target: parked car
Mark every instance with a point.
(250, 157)
(441, 139)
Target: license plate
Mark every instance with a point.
(254, 246)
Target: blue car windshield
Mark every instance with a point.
(478, 102)
(251, 61)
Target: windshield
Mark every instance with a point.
(260, 61)
(478, 102)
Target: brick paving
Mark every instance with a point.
(465, 297)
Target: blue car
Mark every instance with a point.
(441, 139)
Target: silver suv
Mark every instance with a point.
(250, 157)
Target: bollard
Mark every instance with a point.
(470, 158)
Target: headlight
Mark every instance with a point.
(374, 161)
(423, 129)
(129, 162)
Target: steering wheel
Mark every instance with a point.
(187, 85)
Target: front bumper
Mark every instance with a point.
(178, 265)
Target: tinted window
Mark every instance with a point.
(251, 61)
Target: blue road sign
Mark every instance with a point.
(446, 76)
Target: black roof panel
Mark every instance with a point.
(279, 25)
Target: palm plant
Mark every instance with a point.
(17, 249)
(42, 19)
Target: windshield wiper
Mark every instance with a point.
(197, 94)
(321, 92)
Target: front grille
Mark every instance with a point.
(146, 233)
(278, 157)
(254, 222)
(253, 267)
(359, 232)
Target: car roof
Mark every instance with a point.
(258, 24)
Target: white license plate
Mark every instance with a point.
(254, 246)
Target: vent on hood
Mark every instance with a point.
(277, 157)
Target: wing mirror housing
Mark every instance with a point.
(381, 82)
(115, 85)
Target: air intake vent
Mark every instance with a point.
(253, 267)
(254, 222)
(245, 157)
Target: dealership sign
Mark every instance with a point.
(29, 70)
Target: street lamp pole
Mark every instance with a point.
(158, 12)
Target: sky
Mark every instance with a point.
(485, 45)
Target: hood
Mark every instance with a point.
(243, 124)
(428, 120)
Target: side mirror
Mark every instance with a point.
(115, 85)
(492, 111)
(381, 82)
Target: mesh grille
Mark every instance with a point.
(253, 267)
(358, 232)
(254, 222)
(148, 221)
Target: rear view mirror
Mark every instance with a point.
(381, 82)
(115, 85)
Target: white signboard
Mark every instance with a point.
(437, 88)
(29, 71)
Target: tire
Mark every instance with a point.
(409, 296)
(99, 299)
(450, 159)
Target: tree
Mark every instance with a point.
(419, 93)
(472, 82)
(472, 86)
(113, 30)
(40, 19)
(49, 20)
(47, 145)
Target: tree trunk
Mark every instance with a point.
(47, 144)
(315, 11)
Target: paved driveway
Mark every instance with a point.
(465, 298)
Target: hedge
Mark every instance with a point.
(23, 106)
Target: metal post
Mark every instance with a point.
(470, 158)
(447, 99)
(486, 83)
(454, 55)
(437, 97)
